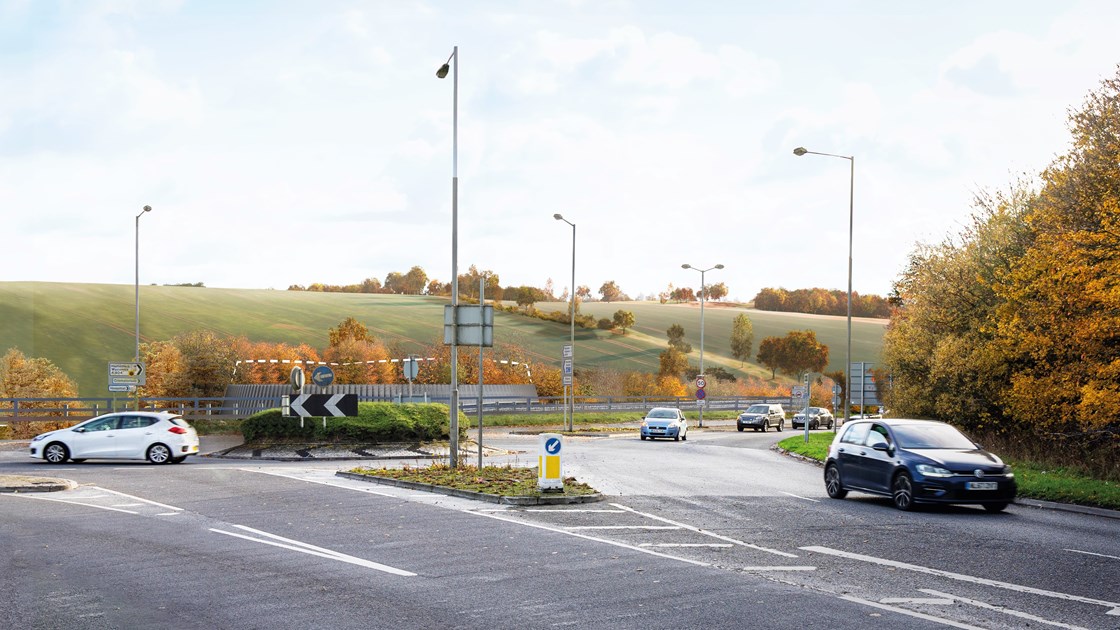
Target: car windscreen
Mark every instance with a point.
(665, 414)
(757, 409)
(930, 436)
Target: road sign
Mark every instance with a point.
(122, 388)
(700, 394)
(568, 380)
(411, 367)
(296, 378)
(335, 405)
(567, 352)
(131, 373)
(322, 376)
(700, 382)
(798, 391)
(568, 367)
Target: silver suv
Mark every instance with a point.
(761, 417)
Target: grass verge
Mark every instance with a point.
(507, 481)
(1036, 481)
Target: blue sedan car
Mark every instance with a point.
(916, 461)
(664, 422)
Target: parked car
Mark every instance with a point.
(664, 422)
(762, 416)
(916, 461)
(159, 437)
(818, 417)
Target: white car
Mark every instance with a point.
(664, 422)
(159, 437)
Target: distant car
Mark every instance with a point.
(916, 461)
(665, 422)
(762, 416)
(159, 437)
(818, 417)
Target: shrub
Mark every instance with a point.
(375, 422)
(605, 324)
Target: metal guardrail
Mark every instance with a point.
(235, 408)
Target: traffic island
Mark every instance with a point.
(24, 483)
(494, 484)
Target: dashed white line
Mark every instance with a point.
(646, 527)
(1114, 608)
(713, 535)
(797, 496)
(713, 545)
(1090, 553)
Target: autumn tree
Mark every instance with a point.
(672, 362)
(195, 364)
(371, 285)
(23, 377)
(676, 339)
(415, 281)
(742, 338)
(610, 291)
(623, 319)
(348, 329)
(395, 282)
(716, 291)
(770, 354)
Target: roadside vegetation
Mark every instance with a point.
(1062, 484)
(501, 480)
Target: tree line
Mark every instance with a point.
(821, 302)
(1012, 326)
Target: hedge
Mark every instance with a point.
(375, 422)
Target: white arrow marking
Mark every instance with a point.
(1114, 608)
(332, 409)
(297, 405)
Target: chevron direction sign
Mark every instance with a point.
(315, 405)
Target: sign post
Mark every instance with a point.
(550, 470)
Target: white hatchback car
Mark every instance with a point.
(159, 437)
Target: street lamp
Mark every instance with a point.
(799, 151)
(571, 389)
(454, 402)
(703, 296)
(137, 356)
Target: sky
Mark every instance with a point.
(288, 142)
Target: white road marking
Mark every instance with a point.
(127, 504)
(925, 601)
(716, 545)
(322, 482)
(1008, 611)
(778, 568)
(700, 531)
(121, 494)
(571, 511)
(800, 497)
(586, 537)
(100, 507)
(302, 547)
(575, 527)
(1090, 553)
(1114, 608)
(912, 613)
(169, 514)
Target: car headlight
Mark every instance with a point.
(933, 471)
(645, 425)
(41, 436)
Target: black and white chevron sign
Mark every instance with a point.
(315, 405)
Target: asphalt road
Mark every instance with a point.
(717, 531)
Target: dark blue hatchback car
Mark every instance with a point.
(916, 461)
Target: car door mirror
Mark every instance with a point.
(79, 430)
(882, 446)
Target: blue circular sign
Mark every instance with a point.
(700, 394)
(322, 376)
(552, 446)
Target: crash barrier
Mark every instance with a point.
(243, 407)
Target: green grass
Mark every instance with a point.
(82, 327)
(1035, 481)
(501, 480)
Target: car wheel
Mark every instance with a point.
(178, 460)
(832, 483)
(995, 507)
(781, 425)
(56, 453)
(740, 429)
(902, 491)
(814, 425)
(765, 425)
(677, 437)
(159, 454)
(643, 437)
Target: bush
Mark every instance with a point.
(605, 324)
(376, 422)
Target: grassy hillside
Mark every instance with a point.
(81, 327)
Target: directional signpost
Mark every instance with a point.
(126, 377)
(324, 405)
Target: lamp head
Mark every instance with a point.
(443, 70)
(558, 216)
(719, 266)
(800, 151)
(686, 266)
(147, 208)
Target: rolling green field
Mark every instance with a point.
(82, 327)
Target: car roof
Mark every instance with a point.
(664, 409)
(894, 422)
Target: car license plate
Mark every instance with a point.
(982, 485)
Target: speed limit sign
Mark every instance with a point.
(701, 383)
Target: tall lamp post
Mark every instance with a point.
(799, 151)
(454, 402)
(137, 355)
(571, 389)
(703, 297)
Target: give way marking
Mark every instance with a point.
(1114, 608)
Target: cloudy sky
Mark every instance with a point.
(289, 142)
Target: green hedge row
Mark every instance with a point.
(375, 422)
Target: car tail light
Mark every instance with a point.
(177, 430)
